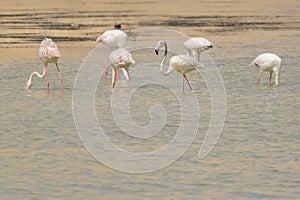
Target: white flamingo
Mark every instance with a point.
(268, 62)
(194, 46)
(180, 63)
(48, 53)
(120, 58)
(113, 39)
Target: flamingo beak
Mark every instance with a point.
(156, 52)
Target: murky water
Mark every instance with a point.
(257, 155)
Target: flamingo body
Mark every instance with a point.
(180, 63)
(48, 53)
(112, 39)
(194, 46)
(120, 58)
(268, 62)
(183, 64)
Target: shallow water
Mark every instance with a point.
(257, 155)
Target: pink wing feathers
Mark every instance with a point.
(48, 49)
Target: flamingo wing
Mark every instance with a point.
(48, 49)
(121, 56)
(114, 38)
(197, 43)
(267, 60)
(183, 63)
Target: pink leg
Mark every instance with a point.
(117, 77)
(47, 77)
(106, 67)
(258, 78)
(187, 81)
(197, 71)
(270, 77)
(60, 77)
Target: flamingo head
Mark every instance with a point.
(99, 39)
(209, 46)
(28, 84)
(254, 64)
(159, 45)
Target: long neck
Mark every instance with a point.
(162, 67)
(163, 61)
(38, 74)
(29, 82)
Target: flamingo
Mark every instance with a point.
(268, 62)
(113, 39)
(180, 63)
(120, 58)
(48, 53)
(194, 46)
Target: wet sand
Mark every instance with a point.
(24, 24)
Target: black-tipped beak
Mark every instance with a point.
(156, 51)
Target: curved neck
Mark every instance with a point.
(162, 67)
(163, 61)
(39, 75)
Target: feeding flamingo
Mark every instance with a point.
(180, 63)
(268, 62)
(48, 53)
(112, 39)
(120, 58)
(194, 46)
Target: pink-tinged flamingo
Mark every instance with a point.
(194, 46)
(113, 39)
(268, 62)
(120, 58)
(48, 53)
(180, 63)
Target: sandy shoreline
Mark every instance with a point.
(76, 25)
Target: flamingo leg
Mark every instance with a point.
(198, 57)
(126, 73)
(117, 77)
(182, 83)
(277, 77)
(258, 78)
(187, 81)
(106, 66)
(270, 77)
(113, 77)
(60, 76)
(197, 71)
(47, 77)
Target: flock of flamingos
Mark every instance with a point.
(121, 58)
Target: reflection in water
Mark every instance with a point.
(257, 155)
